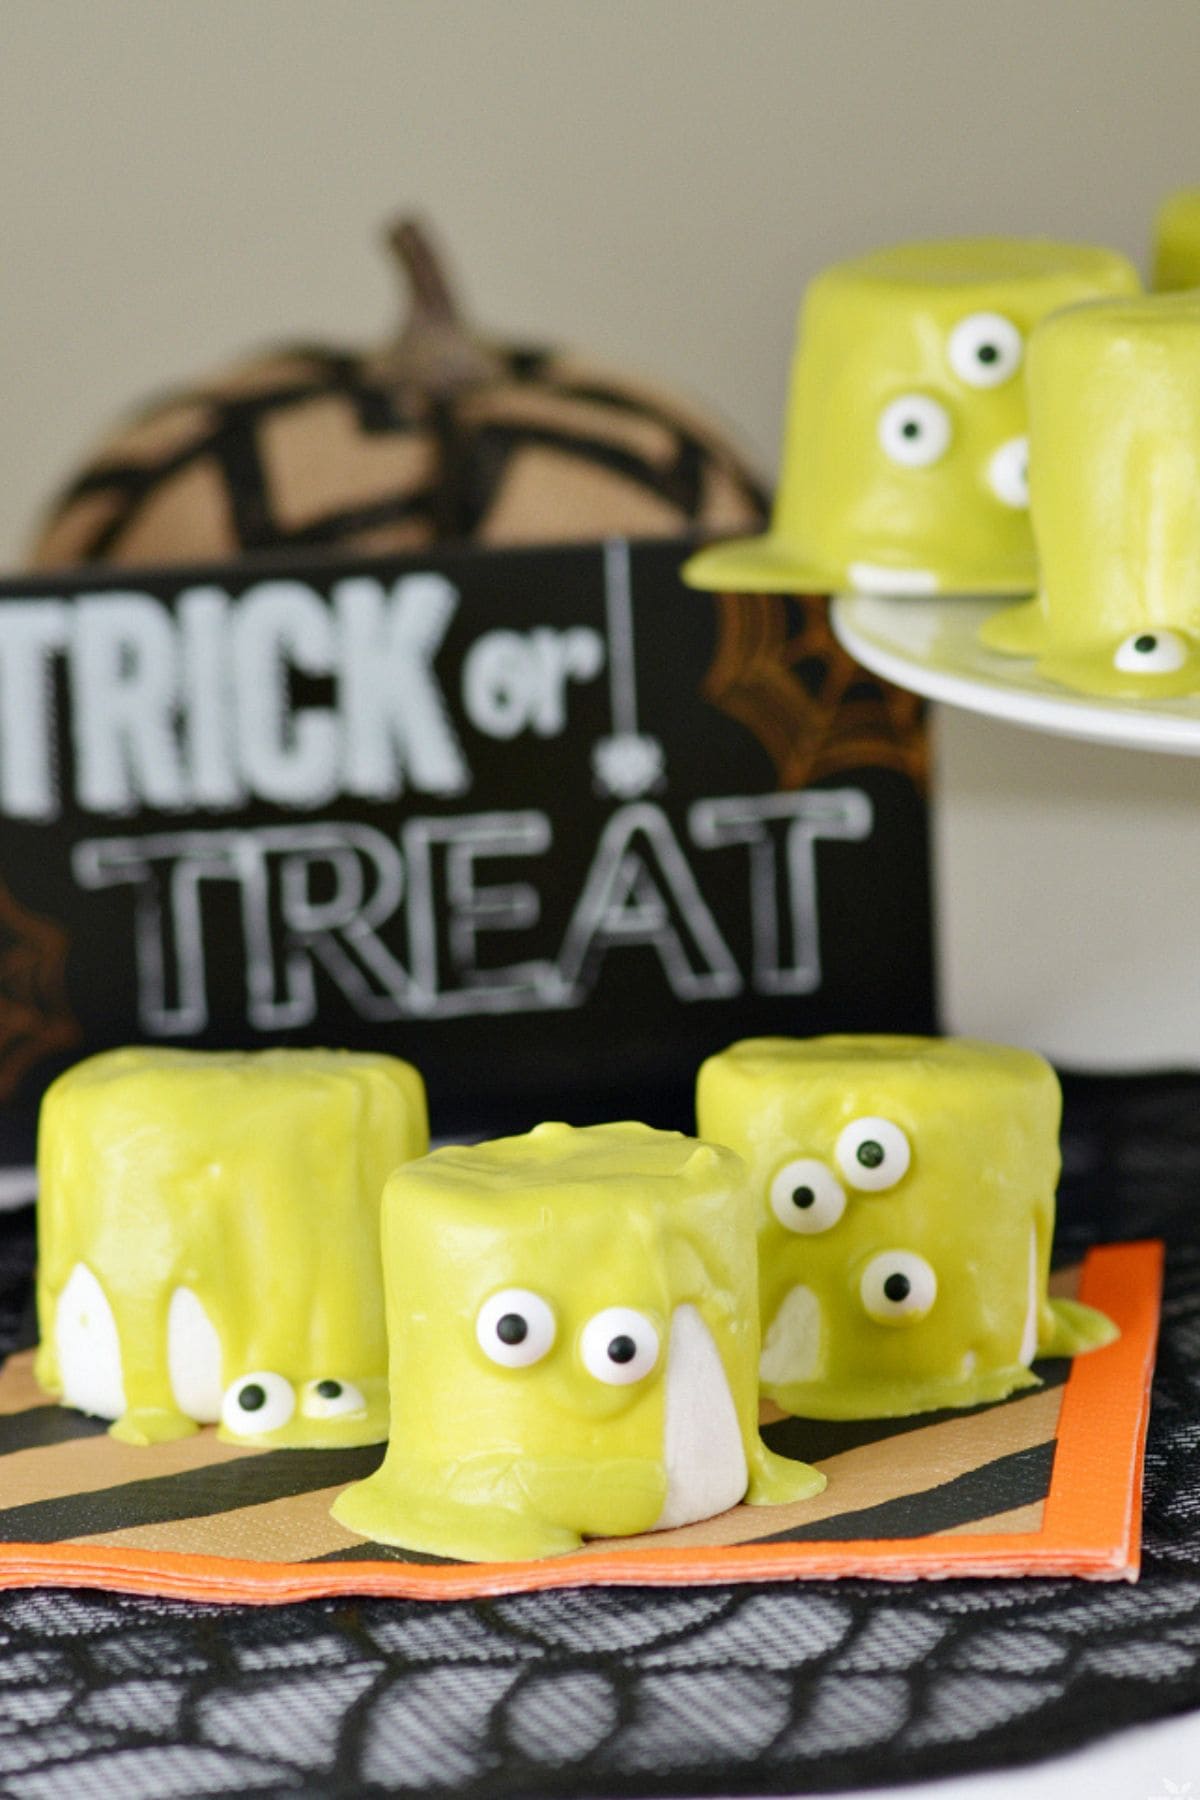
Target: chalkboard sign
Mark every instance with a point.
(543, 821)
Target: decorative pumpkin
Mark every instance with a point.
(437, 437)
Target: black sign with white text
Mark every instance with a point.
(543, 821)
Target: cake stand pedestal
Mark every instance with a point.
(1068, 872)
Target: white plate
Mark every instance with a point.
(931, 646)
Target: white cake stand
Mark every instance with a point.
(1105, 977)
(930, 645)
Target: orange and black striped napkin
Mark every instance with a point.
(1047, 1482)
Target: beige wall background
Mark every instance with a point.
(654, 180)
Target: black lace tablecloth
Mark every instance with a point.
(738, 1690)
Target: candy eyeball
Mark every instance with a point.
(1008, 473)
(898, 1287)
(985, 350)
(330, 1399)
(257, 1403)
(914, 431)
(515, 1328)
(1151, 653)
(619, 1346)
(806, 1196)
(872, 1154)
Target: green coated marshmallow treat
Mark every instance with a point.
(1114, 401)
(1177, 241)
(904, 460)
(905, 1210)
(573, 1329)
(208, 1239)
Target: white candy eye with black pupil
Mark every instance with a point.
(1151, 653)
(806, 1196)
(914, 431)
(985, 350)
(330, 1399)
(515, 1328)
(898, 1287)
(256, 1403)
(1008, 473)
(619, 1346)
(872, 1154)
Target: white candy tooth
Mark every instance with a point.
(792, 1346)
(702, 1448)
(88, 1347)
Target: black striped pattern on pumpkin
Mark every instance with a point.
(472, 450)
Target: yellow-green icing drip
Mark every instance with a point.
(250, 1184)
(1114, 395)
(870, 495)
(490, 1461)
(953, 1201)
(1177, 241)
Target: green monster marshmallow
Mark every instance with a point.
(906, 1206)
(1177, 241)
(904, 466)
(1114, 395)
(573, 1327)
(208, 1237)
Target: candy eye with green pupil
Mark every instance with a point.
(914, 431)
(515, 1328)
(985, 350)
(1151, 653)
(1008, 473)
(873, 1154)
(259, 1402)
(898, 1287)
(619, 1346)
(330, 1399)
(806, 1196)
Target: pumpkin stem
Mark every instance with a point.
(413, 249)
(436, 351)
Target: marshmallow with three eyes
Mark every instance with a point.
(208, 1231)
(906, 1207)
(1114, 397)
(904, 466)
(574, 1339)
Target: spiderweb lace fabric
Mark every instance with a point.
(740, 1690)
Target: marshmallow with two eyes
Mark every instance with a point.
(574, 1340)
(906, 1207)
(904, 467)
(208, 1232)
(1114, 398)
